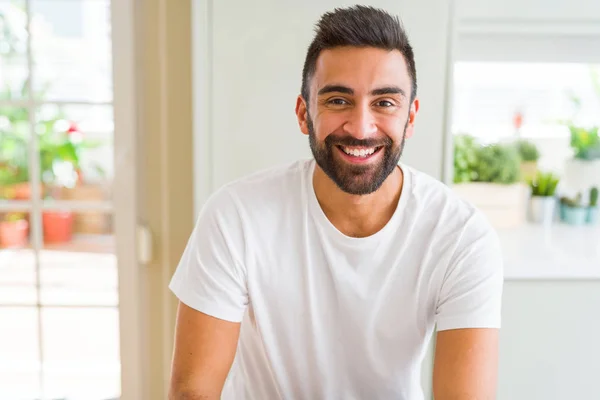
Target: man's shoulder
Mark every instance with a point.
(440, 203)
(277, 179)
(263, 189)
(433, 192)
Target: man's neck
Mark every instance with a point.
(358, 216)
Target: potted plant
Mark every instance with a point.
(529, 159)
(583, 170)
(14, 168)
(60, 155)
(14, 151)
(593, 211)
(14, 230)
(492, 182)
(573, 211)
(542, 202)
(466, 150)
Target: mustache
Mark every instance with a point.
(336, 140)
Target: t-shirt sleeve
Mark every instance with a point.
(211, 275)
(471, 293)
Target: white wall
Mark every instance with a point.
(529, 30)
(549, 346)
(248, 58)
(546, 11)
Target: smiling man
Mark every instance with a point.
(326, 278)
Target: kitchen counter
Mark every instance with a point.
(559, 252)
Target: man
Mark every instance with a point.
(325, 279)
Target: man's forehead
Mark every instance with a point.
(361, 67)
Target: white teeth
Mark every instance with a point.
(359, 152)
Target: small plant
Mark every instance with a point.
(585, 142)
(544, 184)
(572, 202)
(528, 151)
(466, 150)
(499, 163)
(594, 197)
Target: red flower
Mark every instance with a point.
(518, 120)
(72, 128)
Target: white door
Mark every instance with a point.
(59, 277)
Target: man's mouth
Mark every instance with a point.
(360, 151)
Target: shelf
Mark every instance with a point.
(559, 252)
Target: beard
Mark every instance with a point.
(355, 179)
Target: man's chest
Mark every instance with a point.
(358, 298)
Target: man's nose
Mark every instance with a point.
(361, 123)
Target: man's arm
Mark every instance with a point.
(205, 347)
(466, 364)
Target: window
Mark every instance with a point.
(491, 97)
(58, 271)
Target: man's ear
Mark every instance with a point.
(410, 126)
(302, 114)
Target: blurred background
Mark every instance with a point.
(118, 118)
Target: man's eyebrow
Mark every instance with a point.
(388, 90)
(335, 89)
(375, 92)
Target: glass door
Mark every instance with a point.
(59, 303)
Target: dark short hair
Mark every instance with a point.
(359, 26)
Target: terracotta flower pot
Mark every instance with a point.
(58, 226)
(19, 191)
(22, 191)
(14, 233)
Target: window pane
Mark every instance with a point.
(72, 49)
(76, 149)
(488, 95)
(77, 264)
(81, 353)
(19, 353)
(13, 50)
(17, 268)
(501, 101)
(14, 154)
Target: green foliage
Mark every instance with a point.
(572, 202)
(527, 150)
(544, 184)
(14, 131)
(594, 197)
(54, 146)
(14, 145)
(499, 163)
(466, 151)
(585, 142)
(496, 163)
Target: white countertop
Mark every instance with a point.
(559, 252)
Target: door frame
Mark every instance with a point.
(130, 276)
(154, 186)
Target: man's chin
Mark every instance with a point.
(356, 184)
(345, 167)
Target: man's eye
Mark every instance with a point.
(385, 103)
(338, 102)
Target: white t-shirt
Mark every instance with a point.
(327, 316)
